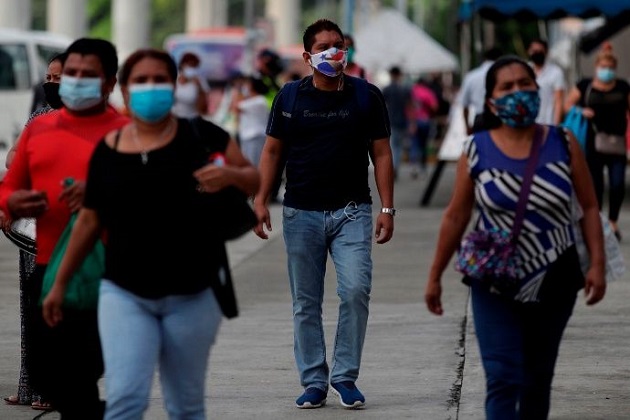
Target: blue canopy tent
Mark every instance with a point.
(496, 10)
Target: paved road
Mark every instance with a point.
(415, 365)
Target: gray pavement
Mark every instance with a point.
(415, 365)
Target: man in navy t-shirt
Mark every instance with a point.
(328, 138)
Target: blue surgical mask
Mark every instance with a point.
(518, 109)
(606, 74)
(151, 102)
(80, 93)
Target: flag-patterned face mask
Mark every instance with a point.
(330, 62)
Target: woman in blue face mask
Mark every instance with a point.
(519, 327)
(605, 101)
(157, 303)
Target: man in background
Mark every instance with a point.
(473, 91)
(551, 84)
(398, 99)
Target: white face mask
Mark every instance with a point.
(190, 72)
(331, 62)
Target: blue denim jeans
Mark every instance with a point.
(519, 342)
(616, 168)
(396, 140)
(137, 334)
(420, 143)
(309, 236)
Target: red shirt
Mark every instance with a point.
(51, 148)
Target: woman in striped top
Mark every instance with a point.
(519, 336)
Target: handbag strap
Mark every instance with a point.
(587, 96)
(528, 177)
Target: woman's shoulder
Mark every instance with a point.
(583, 83)
(623, 85)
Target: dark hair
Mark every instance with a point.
(492, 53)
(349, 39)
(490, 120)
(139, 55)
(540, 41)
(104, 50)
(61, 57)
(395, 71)
(320, 25)
(271, 61)
(258, 85)
(189, 58)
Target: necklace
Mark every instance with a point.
(339, 85)
(144, 153)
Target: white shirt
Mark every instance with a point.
(473, 91)
(186, 99)
(550, 79)
(252, 119)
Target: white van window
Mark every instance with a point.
(45, 53)
(14, 69)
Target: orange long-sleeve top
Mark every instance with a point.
(51, 148)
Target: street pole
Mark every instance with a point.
(250, 37)
(348, 16)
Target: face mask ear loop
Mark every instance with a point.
(350, 216)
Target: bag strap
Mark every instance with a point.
(290, 91)
(528, 176)
(587, 96)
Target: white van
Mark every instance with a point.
(24, 57)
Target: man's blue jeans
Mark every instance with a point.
(309, 236)
(137, 334)
(396, 140)
(519, 343)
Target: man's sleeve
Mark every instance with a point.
(277, 121)
(379, 117)
(464, 94)
(558, 80)
(17, 176)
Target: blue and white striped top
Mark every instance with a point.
(547, 227)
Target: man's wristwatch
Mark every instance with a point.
(389, 210)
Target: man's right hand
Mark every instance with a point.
(27, 203)
(264, 220)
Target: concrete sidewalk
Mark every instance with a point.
(415, 365)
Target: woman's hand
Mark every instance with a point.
(433, 296)
(588, 113)
(51, 307)
(595, 285)
(213, 178)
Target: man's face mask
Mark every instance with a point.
(330, 62)
(80, 93)
(538, 58)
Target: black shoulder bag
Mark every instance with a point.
(237, 216)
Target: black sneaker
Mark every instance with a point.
(312, 398)
(349, 394)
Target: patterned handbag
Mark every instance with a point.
(489, 257)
